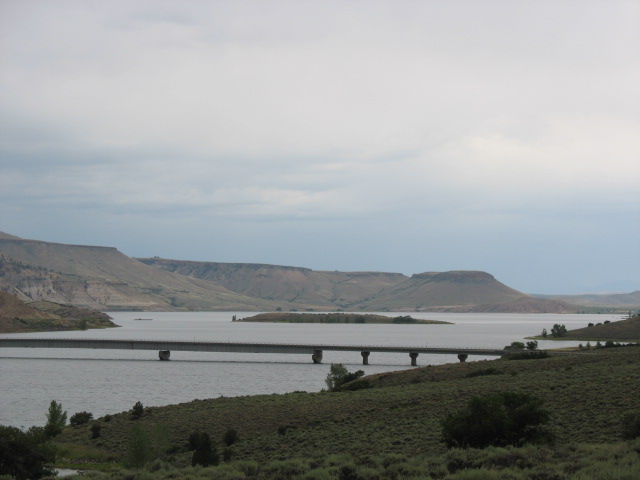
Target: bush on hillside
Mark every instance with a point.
(631, 425)
(137, 411)
(80, 418)
(205, 453)
(506, 418)
(339, 375)
(25, 455)
(230, 437)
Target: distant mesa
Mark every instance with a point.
(102, 278)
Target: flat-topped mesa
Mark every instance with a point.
(456, 276)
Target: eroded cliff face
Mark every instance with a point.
(96, 294)
(106, 279)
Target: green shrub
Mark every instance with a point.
(95, 429)
(138, 448)
(530, 355)
(137, 411)
(205, 453)
(482, 372)
(80, 418)
(230, 437)
(285, 469)
(507, 418)
(631, 425)
(25, 455)
(339, 375)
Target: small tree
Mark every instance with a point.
(516, 346)
(139, 450)
(558, 330)
(544, 333)
(56, 419)
(532, 345)
(204, 454)
(138, 410)
(339, 375)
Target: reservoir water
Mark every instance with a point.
(112, 381)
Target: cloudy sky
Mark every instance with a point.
(403, 136)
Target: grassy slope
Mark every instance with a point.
(587, 395)
(627, 330)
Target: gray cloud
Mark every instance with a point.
(404, 135)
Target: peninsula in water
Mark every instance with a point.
(288, 317)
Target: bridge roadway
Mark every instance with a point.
(164, 347)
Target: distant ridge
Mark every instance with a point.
(103, 278)
(457, 291)
(6, 236)
(600, 300)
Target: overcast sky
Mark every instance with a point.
(402, 136)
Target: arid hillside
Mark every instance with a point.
(290, 284)
(463, 291)
(104, 278)
(458, 291)
(17, 316)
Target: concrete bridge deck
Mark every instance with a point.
(165, 347)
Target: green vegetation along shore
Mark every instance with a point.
(626, 330)
(392, 429)
(288, 317)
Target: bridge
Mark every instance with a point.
(165, 347)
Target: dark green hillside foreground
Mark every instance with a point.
(394, 426)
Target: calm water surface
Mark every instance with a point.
(111, 381)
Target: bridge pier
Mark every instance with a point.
(414, 356)
(164, 354)
(317, 356)
(462, 357)
(365, 357)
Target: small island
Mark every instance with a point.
(287, 317)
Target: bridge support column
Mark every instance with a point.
(462, 357)
(365, 357)
(414, 357)
(164, 354)
(317, 356)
